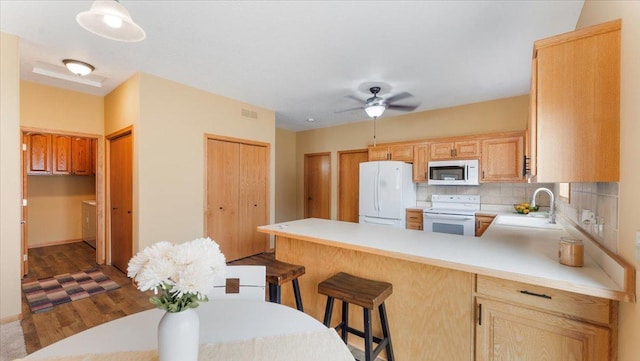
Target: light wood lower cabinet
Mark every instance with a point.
(511, 332)
(483, 221)
(517, 321)
(414, 219)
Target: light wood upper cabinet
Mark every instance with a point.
(503, 159)
(456, 149)
(574, 126)
(420, 160)
(38, 153)
(403, 152)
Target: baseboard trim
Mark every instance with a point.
(54, 243)
(10, 319)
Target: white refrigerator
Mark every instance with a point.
(386, 191)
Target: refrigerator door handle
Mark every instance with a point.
(377, 191)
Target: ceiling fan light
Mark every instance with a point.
(375, 110)
(78, 67)
(111, 20)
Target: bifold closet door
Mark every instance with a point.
(237, 175)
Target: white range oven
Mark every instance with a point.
(452, 214)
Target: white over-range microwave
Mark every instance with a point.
(453, 172)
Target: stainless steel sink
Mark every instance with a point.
(526, 221)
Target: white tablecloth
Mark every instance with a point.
(229, 330)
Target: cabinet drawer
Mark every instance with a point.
(414, 225)
(567, 303)
(414, 216)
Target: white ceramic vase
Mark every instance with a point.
(179, 336)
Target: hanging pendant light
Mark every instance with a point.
(111, 20)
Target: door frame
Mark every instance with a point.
(107, 230)
(99, 185)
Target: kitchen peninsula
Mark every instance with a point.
(440, 283)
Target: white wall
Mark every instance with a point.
(595, 12)
(10, 212)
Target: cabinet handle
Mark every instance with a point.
(542, 295)
(220, 208)
(525, 165)
(480, 314)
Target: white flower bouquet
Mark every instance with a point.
(180, 275)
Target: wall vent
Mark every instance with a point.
(249, 113)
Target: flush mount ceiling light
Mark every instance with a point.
(109, 19)
(78, 67)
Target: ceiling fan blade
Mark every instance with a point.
(355, 98)
(405, 108)
(398, 97)
(348, 110)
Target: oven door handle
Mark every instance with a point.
(450, 217)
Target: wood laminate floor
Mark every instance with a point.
(42, 329)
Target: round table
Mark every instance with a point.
(220, 321)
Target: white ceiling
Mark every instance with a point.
(303, 58)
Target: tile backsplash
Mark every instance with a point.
(490, 193)
(602, 200)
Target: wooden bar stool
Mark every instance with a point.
(367, 294)
(278, 273)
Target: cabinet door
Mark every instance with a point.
(38, 153)
(61, 154)
(482, 223)
(223, 178)
(252, 208)
(510, 332)
(467, 149)
(420, 159)
(81, 156)
(578, 106)
(378, 153)
(503, 159)
(402, 153)
(441, 150)
(414, 219)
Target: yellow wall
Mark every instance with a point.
(506, 114)
(61, 110)
(55, 207)
(285, 175)
(170, 146)
(9, 178)
(595, 12)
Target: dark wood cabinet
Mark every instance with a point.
(59, 154)
(38, 153)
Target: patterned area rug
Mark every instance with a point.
(44, 294)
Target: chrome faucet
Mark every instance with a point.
(552, 205)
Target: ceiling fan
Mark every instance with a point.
(375, 105)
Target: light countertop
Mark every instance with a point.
(515, 253)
